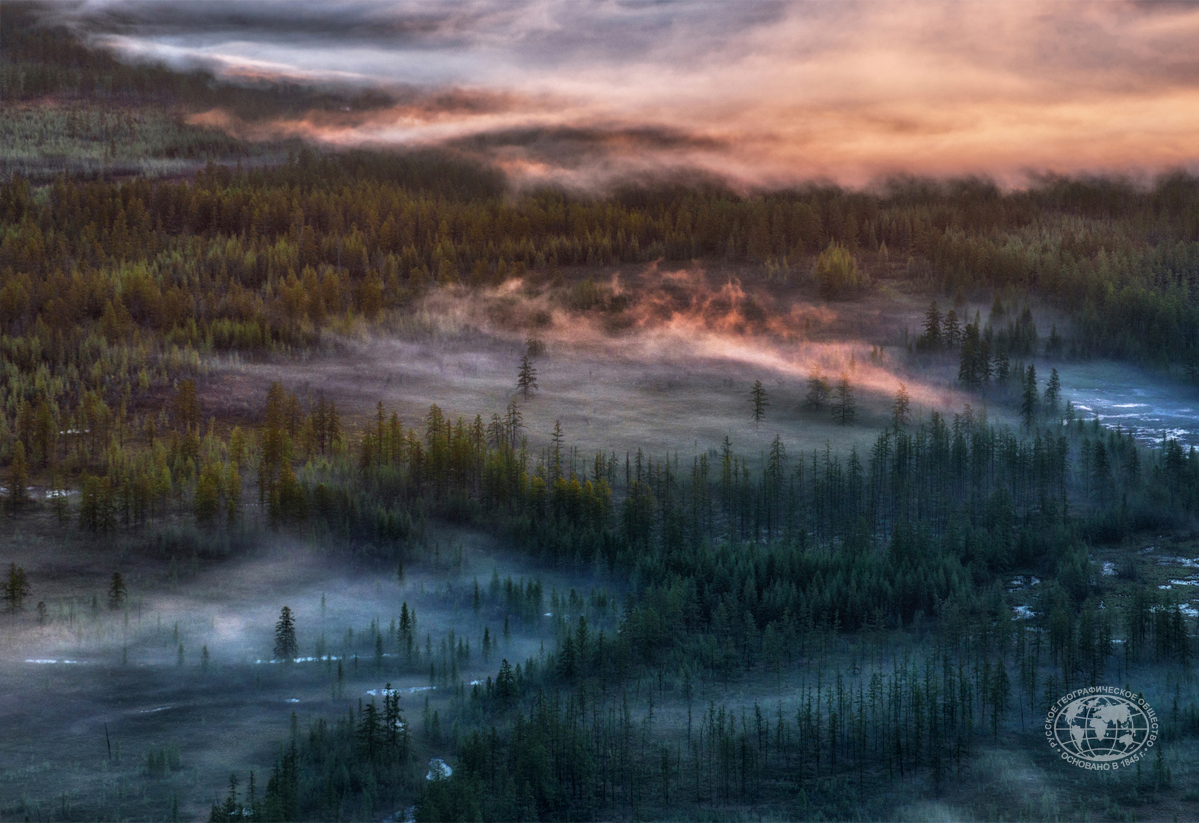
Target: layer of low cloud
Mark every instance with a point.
(762, 92)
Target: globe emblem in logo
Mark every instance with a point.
(1102, 728)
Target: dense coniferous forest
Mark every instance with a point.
(800, 635)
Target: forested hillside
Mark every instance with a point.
(803, 635)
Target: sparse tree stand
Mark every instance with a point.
(844, 408)
(15, 589)
(526, 379)
(285, 636)
(116, 591)
(757, 396)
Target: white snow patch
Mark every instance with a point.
(1024, 612)
(438, 768)
(1185, 562)
(409, 690)
(407, 815)
(276, 660)
(1109, 569)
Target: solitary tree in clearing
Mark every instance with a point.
(757, 396)
(285, 635)
(526, 380)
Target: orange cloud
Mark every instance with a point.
(764, 93)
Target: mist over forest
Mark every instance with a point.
(407, 414)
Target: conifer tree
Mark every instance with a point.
(526, 379)
(818, 390)
(951, 331)
(18, 478)
(285, 636)
(187, 407)
(1028, 403)
(15, 589)
(116, 591)
(1053, 393)
(844, 408)
(901, 408)
(757, 396)
(931, 339)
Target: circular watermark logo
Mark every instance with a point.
(1101, 728)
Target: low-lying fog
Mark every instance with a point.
(109, 686)
(669, 372)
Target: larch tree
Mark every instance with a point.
(837, 272)
(187, 406)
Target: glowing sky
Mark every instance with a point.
(766, 92)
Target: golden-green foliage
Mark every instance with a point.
(837, 272)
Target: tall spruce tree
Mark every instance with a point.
(526, 378)
(844, 407)
(1053, 393)
(1028, 403)
(931, 339)
(757, 396)
(285, 636)
(116, 591)
(901, 409)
